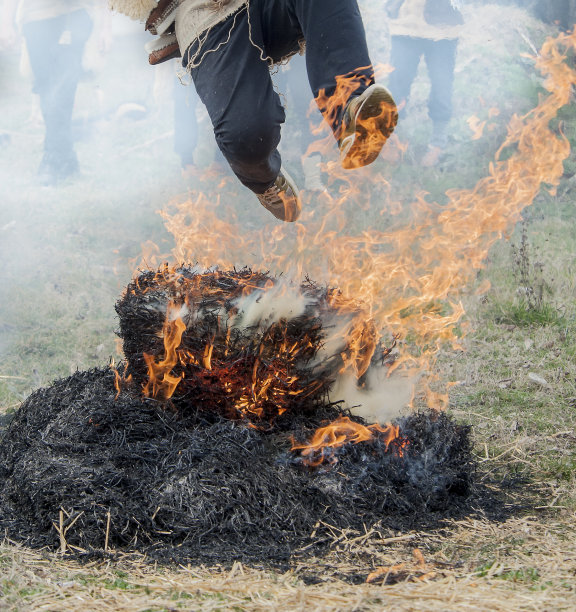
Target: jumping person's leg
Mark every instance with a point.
(231, 74)
(235, 85)
(233, 80)
(362, 114)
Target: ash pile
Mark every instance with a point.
(218, 442)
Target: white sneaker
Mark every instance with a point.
(283, 198)
(369, 120)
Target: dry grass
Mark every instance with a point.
(522, 564)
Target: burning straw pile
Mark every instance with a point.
(218, 442)
(241, 344)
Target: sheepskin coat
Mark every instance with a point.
(192, 18)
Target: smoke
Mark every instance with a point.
(267, 306)
(380, 399)
(69, 237)
(178, 312)
(69, 249)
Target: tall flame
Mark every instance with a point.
(162, 382)
(408, 273)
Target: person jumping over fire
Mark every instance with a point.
(228, 46)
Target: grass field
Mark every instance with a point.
(68, 252)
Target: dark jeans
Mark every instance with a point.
(235, 85)
(55, 47)
(440, 56)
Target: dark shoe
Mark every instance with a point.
(283, 198)
(53, 170)
(369, 120)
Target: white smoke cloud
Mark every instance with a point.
(269, 305)
(381, 399)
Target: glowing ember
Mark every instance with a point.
(240, 344)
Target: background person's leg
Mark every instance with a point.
(185, 122)
(55, 48)
(42, 41)
(335, 44)
(440, 60)
(299, 99)
(70, 56)
(405, 54)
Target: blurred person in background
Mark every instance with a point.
(168, 88)
(428, 28)
(55, 32)
(185, 124)
(187, 130)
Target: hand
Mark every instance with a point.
(104, 41)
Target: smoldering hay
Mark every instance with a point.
(91, 464)
(247, 344)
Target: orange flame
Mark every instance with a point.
(344, 431)
(121, 381)
(161, 381)
(477, 126)
(409, 272)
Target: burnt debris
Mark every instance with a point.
(124, 473)
(210, 472)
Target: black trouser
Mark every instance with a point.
(235, 85)
(55, 47)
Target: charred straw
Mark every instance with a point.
(187, 488)
(278, 360)
(85, 469)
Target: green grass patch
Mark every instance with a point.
(521, 314)
(523, 574)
